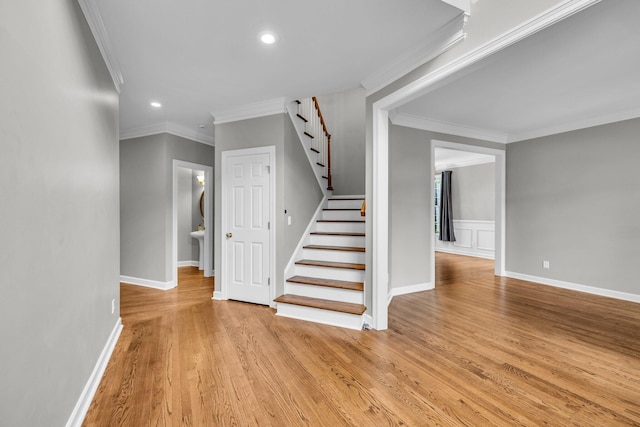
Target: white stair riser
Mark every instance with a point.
(342, 215)
(342, 227)
(329, 273)
(345, 204)
(321, 239)
(324, 292)
(327, 317)
(337, 256)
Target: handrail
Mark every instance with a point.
(363, 209)
(316, 129)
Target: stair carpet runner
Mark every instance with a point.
(328, 282)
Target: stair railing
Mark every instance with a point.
(316, 129)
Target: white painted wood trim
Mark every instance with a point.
(407, 120)
(271, 151)
(443, 39)
(250, 111)
(410, 289)
(155, 284)
(217, 295)
(82, 406)
(304, 239)
(188, 263)
(208, 221)
(379, 243)
(380, 169)
(96, 24)
(458, 251)
(625, 296)
(166, 127)
(318, 315)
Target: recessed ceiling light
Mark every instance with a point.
(155, 104)
(202, 126)
(268, 37)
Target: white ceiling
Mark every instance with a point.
(446, 158)
(198, 57)
(580, 72)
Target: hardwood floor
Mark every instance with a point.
(477, 351)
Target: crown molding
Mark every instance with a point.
(250, 111)
(463, 5)
(444, 39)
(439, 166)
(577, 125)
(166, 127)
(94, 19)
(419, 86)
(432, 125)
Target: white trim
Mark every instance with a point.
(410, 289)
(463, 5)
(96, 24)
(155, 284)
(295, 255)
(166, 127)
(271, 151)
(380, 169)
(318, 315)
(188, 263)
(208, 221)
(443, 39)
(463, 164)
(456, 251)
(409, 120)
(625, 296)
(82, 405)
(217, 295)
(577, 125)
(250, 111)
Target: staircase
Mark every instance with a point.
(326, 283)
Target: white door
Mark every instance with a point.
(246, 233)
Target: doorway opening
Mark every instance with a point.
(192, 213)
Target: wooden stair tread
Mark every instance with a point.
(315, 151)
(331, 264)
(308, 134)
(336, 233)
(342, 220)
(341, 284)
(342, 307)
(342, 209)
(335, 248)
(303, 118)
(354, 198)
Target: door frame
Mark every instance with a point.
(208, 218)
(222, 273)
(499, 207)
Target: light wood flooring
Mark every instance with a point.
(476, 351)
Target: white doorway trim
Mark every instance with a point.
(500, 201)
(222, 273)
(208, 218)
(378, 194)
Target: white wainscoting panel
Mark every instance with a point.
(473, 238)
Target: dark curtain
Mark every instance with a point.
(446, 210)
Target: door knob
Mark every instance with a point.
(229, 235)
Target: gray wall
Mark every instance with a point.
(573, 199)
(410, 200)
(473, 192)
(146, 198)
(297, 190)
(344, 113)
(59, 239)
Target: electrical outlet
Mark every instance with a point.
(545, 264)
(113, 306)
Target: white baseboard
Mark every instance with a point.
(188, 263)
(82, 406)
(575, 287)
(148, 283)
(366, 318)
(217, 295)
(409, 289)
(465, 253)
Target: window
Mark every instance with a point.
(436, 202)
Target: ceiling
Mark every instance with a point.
(578, 73)
(446, 158)
(201, 57)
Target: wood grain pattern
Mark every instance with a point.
(478, 350)
(335, 248)
(330, 264)
(317, 281)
